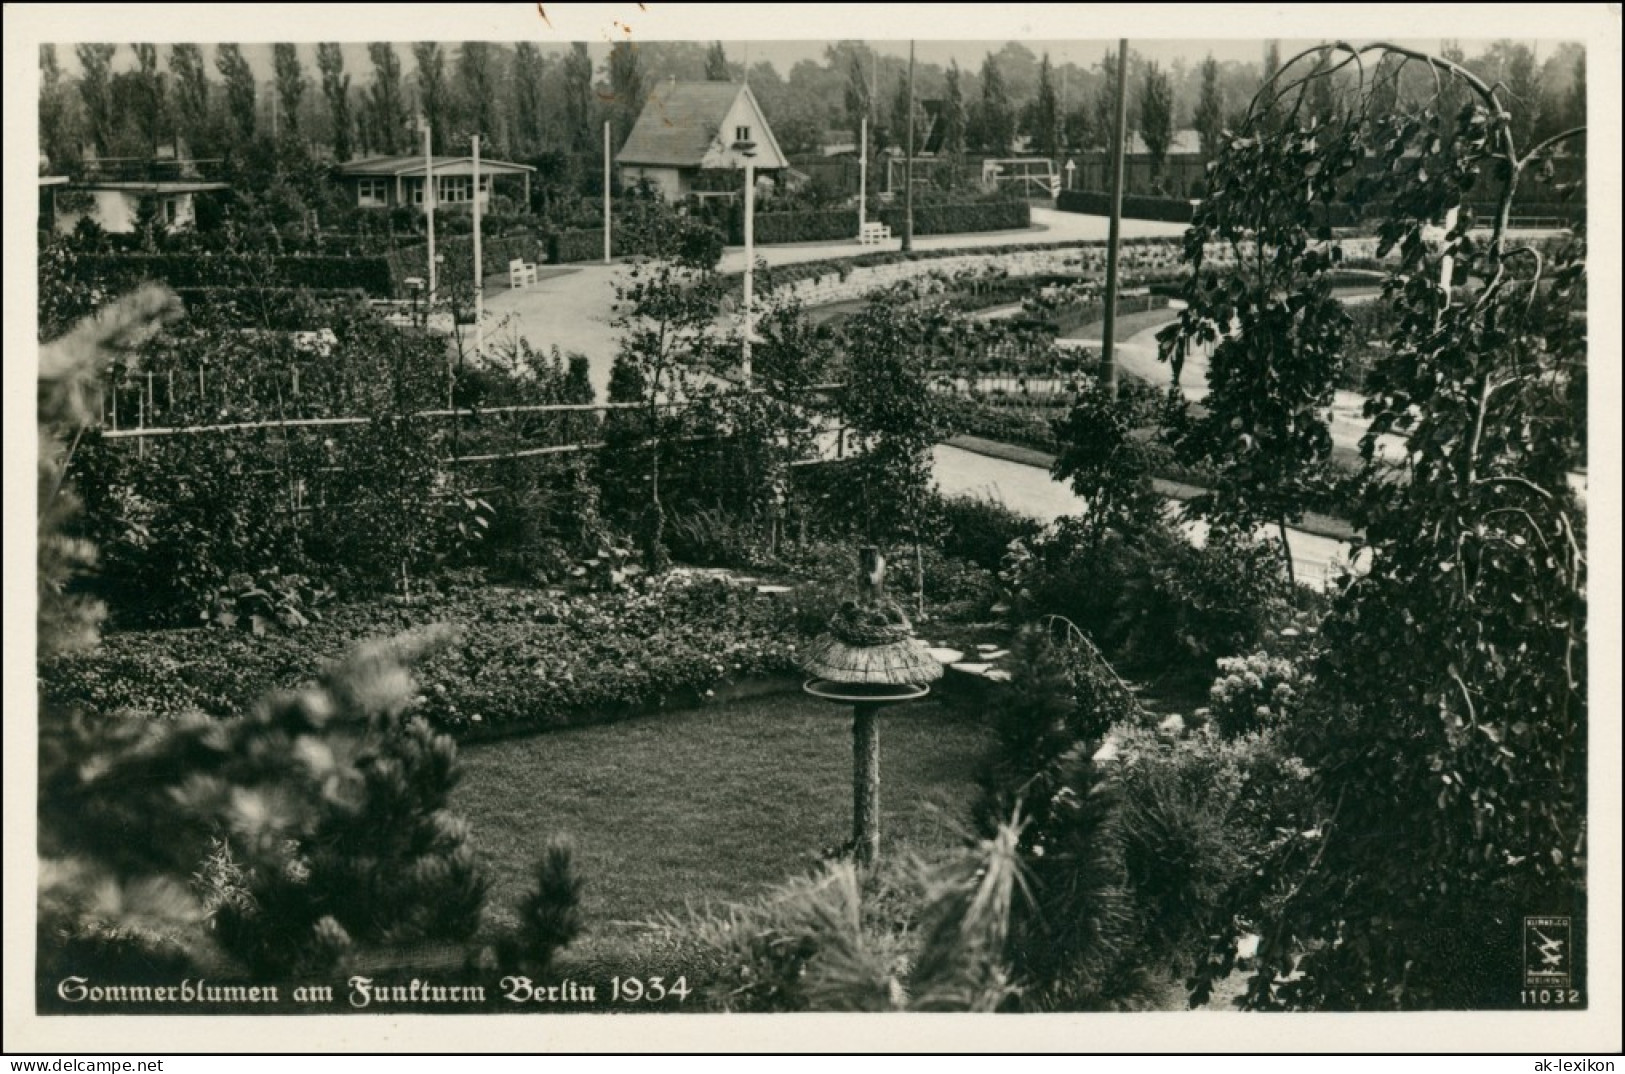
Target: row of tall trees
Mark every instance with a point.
(205, 102)
(356, 99)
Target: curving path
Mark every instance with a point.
(1031, 491)
(573, 310)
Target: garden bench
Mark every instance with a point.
(521, 273)
(874, 233)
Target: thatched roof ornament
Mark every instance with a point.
(871, 644)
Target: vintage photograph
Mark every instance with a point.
(1026, 523)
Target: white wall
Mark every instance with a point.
(116, 211)
(667, 181)
(722, 153)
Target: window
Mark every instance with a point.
(455, 188)
(741, 134)
(372, 193)
(172, 210)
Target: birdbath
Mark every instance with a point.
(869, 659)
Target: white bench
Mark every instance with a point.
(521, 273)
(874, 233)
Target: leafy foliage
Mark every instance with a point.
(1451, 682)
(1275, 332)
(286, 841)
(666, 307)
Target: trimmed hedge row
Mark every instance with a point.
(321, 273)
(830, 225)
(495, 252)
(1135, 206)
(953, 217)
(563, 247)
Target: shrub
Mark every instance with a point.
(1135, 861)
(1057, 707)
(1093, 579)
(564, 247)
(980, 529)
(713, 537)
(1254, 693)
(916, 936)
(1213, 601)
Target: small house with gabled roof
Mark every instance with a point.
(386, 182)
(690, 128)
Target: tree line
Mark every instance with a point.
(355, 100)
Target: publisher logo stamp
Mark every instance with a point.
(1548, 951)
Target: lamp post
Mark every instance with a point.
(747, 149)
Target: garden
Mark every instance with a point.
(362, 653)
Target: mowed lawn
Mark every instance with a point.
(716, 803)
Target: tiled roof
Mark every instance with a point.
(679, 123)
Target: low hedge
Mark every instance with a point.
(318, 272)
(1135, 206)
(1018, 426)
(831, 225)
(564, 247)
(495, 253)
(950, 218)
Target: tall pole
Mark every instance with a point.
(479, 264)
(908, 166)
(863, 174)
(750, 266)
(1108, 367)
(866, 731)
(428, 207)
(606, 192)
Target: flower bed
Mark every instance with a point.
(523, 659)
